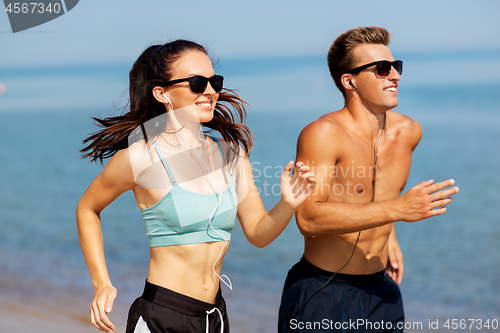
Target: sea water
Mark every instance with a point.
(451, 261)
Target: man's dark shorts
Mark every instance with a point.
(349, 303)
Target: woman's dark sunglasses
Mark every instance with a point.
(383, 67)
(198, 84)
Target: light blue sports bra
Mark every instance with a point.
(183, 216)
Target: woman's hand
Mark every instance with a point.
(102, 304)
(295, 189)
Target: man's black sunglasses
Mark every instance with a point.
(383, 67)
(198, 84)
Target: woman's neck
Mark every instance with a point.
(186, 133)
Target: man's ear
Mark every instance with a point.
(347, 83)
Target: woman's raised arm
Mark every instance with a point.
(261, 227)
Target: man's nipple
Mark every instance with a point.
(360, 189)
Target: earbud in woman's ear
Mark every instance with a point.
(168, 100)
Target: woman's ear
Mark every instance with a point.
(158, 95)
(161, 96)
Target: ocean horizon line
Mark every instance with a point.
(231, 62)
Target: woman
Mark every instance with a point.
(189, 187)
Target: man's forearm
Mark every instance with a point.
(342, 217)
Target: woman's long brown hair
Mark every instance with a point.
(153, 66)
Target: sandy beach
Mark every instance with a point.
(50, 316)
(39, 317)
(66, 311)
(34, 306)
(28, 306)
(46, 317)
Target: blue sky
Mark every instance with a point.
(440, 41)
(117, 31)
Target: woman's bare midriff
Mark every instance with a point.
(188, 269)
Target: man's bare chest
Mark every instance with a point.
(361, 169)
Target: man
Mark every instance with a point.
(361, 155)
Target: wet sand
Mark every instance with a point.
(39, 317)
(28, 305)
(54, 316)
(35, 306)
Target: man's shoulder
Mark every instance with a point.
(326, 125)
(402, 119)
(406, 126)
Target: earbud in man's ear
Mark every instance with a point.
(352, 84)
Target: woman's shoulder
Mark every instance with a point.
(130, 162)
(118, 171)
